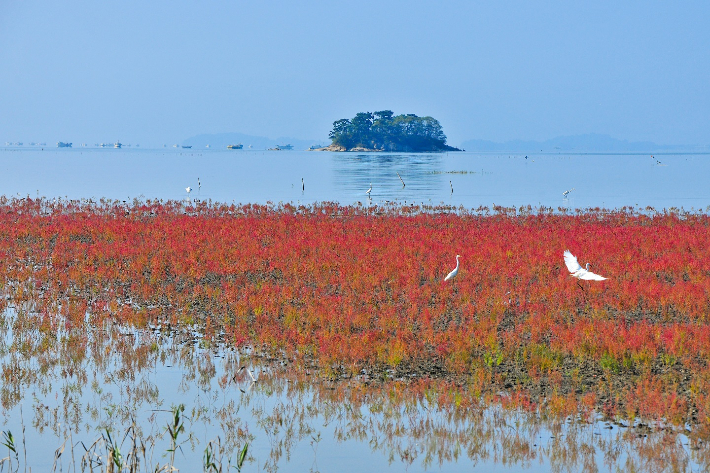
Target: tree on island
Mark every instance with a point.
(386, 132)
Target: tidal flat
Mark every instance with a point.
(151, 335)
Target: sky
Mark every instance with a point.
(161, 71)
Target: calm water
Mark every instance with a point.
(262, 176)
(291, 424)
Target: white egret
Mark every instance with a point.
(566, 193)
(455, 271)
(578, 271)
(369, 190)
(188, 189)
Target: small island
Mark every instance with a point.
(382, 131)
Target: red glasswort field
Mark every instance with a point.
(360, 292)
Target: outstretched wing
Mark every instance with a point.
(589, 276)
(571, 262)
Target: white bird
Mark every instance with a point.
(455, 271)
(188, 189)
(369, 190)
(578, 271)
(253, 379)
(566, 193)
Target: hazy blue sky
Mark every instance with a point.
(159, 71)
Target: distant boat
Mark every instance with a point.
(117, 145)
(176, 146)
(187, 146)
(314, 147)
(283, 147)
(239, 146)
(61, 144)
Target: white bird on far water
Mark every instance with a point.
(566, 193)
(455, 271)
(578, 271)
(369, 190)
(188, 189)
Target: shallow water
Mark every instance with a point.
(243, 176)
(293, 421)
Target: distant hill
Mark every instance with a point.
(222, 140)
(591, 142)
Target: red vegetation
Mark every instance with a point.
(350, 289)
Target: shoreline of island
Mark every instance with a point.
(359, 149)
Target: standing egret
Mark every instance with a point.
(455, 271)
(369, 190)
(578, 271)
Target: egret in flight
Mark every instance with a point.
(455, 271)
(369, 190)
(578, 271)
(566, 193)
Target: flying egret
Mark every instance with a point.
(455, 271)
(578, 271)
(369, 190)
(566, 193)
(452, 187)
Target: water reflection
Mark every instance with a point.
(76, 397)
(599, 180)
(394, 178)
